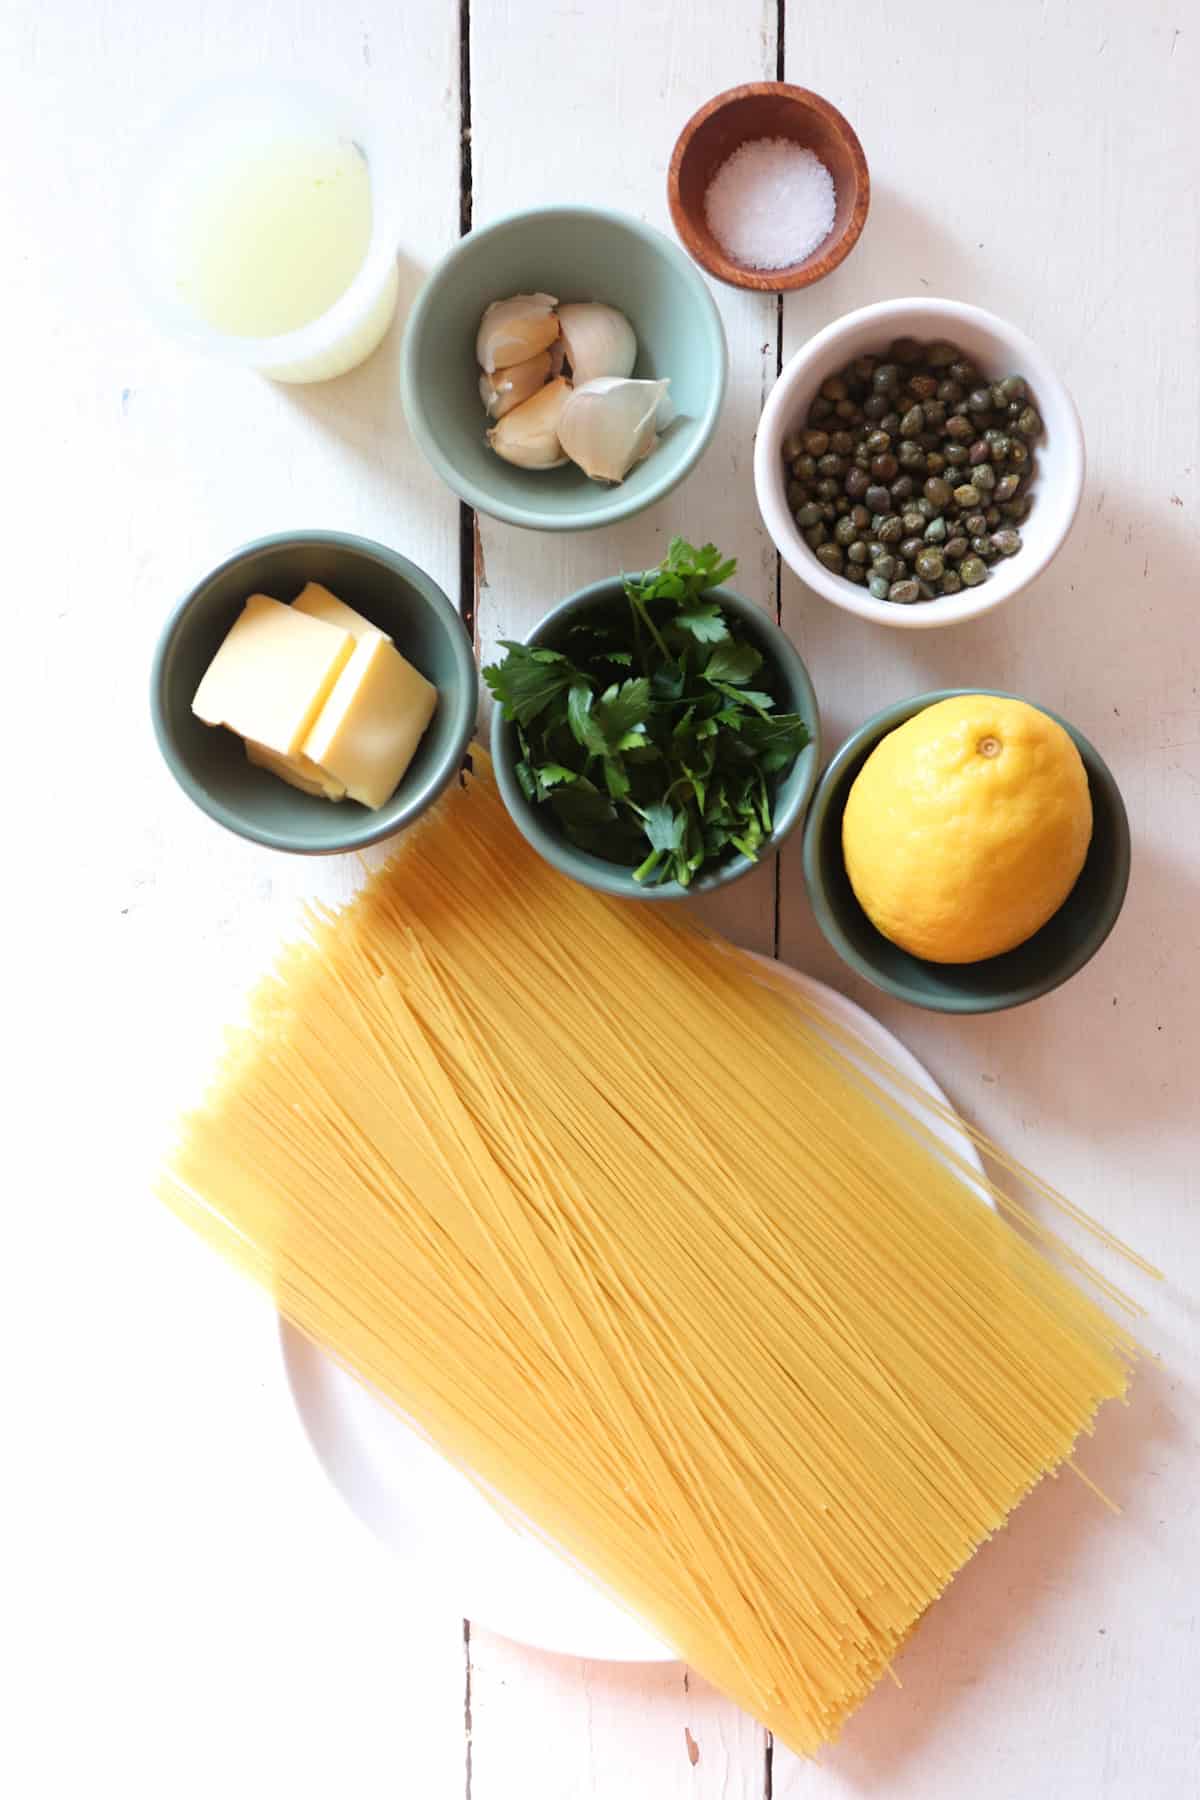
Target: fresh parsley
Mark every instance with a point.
(655, 740)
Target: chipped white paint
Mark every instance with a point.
(197, 1614)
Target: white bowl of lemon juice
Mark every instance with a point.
(261, 228)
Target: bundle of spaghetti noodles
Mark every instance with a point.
(629, 1234)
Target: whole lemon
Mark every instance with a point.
(966, 828)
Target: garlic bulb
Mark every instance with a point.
(528, 435)
(598, 340)
(509, 387)
(511, 331)
(610, 423)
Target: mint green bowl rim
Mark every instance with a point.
(398, 812)
(622, 504)
(827, 912)
(610, 878)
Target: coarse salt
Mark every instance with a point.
(770, 203)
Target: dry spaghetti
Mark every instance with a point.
(629, 1236)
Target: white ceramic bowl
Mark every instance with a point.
(999, 349)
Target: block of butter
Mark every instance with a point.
(273, 674)
(298, 771)
(369, 727)
(319, 603)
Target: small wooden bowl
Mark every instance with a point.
(767, 109)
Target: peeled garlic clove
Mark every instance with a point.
(598, 339)
(511, 331)
(528, 435)
(509, 387)
(609, 424)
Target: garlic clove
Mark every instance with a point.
(528, 435)
(511, 331)
(610, 424)
(598, 340)
(508, 387)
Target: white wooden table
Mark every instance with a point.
(189, 1609)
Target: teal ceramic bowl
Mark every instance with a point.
(210, 764)
(574, 253)
(783, 674)
(1055, 953)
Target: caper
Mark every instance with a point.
(849, 411)
(828, 509)
(875, 405)
(984, 477)
(962, 371)
(959, 427)
(876, 442)
(861, 517)
(911, 455)
(983, 546)
(929, 565)
(902, 487)
(1018, 453)
(877, 586)
(808, 514)
(797, 494)
(938, 492)
(905, 350)
(816, 442)
(884, 468)
(1007, 541)
(935, 462)
(842, 442)
(951, 582)
(974, 524)
(940, 355)
(1029, 423)
(857, 552)
(888, 530)
(804, 467)
(886, 378)
(861, 459)
(835, 388)
(966, 496)
(922, 387)
(793, 444)
(890, 423)
(815, 535)
(841, 505)
(1018, 509)
(955, 547)
(844, 532)
(911, 519)
(928, 591)
(992, 515)
(827, 489)
(1011, 388)
(973, 570)
(935, 414)
(1006, 487)
(912, 422)
(863, 367)
(856, 483)
(878, 498)
(831, 556)
(904, 592)
(911, 547)
(885, 565)
(819, 411)
(956, 454)
(935, 531)
(949, 393)
(854, 573)
(998, 445)
(829, 464)
(977, 453)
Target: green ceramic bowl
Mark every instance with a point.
(1056, 952)
(210, 764)
(574, 253)
(793, 691)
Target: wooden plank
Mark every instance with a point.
(600, 131)
(197, 1611)
(1058, 207)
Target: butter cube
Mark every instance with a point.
(272, 675)
(319, 603)
(298, 771)
(372, 722)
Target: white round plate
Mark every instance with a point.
(453, 1543)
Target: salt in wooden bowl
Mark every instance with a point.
(742, 115)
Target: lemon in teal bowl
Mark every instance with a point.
(572, 253)
(1029, 846)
